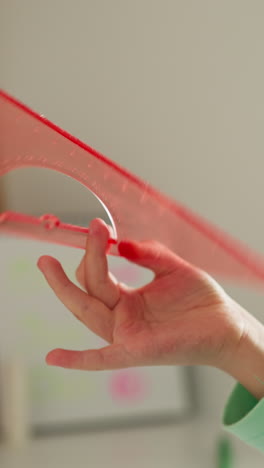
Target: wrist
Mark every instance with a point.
(245, 359)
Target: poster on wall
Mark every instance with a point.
(35, 322)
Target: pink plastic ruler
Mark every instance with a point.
(137, 210)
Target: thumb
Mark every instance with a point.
(152, 255)
(108, 358)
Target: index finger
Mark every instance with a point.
(93, 313)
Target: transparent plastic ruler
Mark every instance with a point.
(137, 210)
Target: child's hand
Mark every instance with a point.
(181, 317)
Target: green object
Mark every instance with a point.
(224, 454)
(244, 417)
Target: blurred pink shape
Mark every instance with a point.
(128, 386)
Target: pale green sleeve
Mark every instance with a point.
(244, 417)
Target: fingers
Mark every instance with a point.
(152, 255)
(93, 272)
(80, 274)
(108, 358)
(93, 313)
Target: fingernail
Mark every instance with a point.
(126, 249)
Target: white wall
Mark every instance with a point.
(172, 90)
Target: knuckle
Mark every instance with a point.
(85, 309)
(64, 287)
(66, 284)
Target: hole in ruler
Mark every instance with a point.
(38, 191)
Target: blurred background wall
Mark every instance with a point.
(171, 90)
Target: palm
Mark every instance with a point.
(169, 321)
